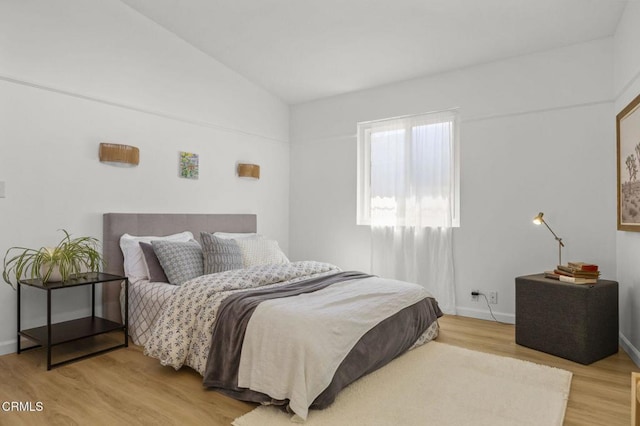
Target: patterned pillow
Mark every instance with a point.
(181, 261)
(134, 266)
(261, 252)
(220, 254)
(154, 269)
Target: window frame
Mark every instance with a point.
(364, 129)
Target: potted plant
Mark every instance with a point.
(70, 258)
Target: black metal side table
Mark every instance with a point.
(50, 335)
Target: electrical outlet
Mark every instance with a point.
(474, 298)
(493, 297)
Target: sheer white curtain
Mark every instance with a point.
(413, 200)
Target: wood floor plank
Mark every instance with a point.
(126, 387)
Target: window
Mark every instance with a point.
(408, 171)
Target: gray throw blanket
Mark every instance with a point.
(381, 344)
(233, 317)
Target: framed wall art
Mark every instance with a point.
(189, 167)
(628, 149)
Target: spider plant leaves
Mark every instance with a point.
(71, 256)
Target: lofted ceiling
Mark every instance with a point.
(301, 50)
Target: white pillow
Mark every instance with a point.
(260, 252)
(134, 264)
(238, 235)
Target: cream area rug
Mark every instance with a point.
(440, 384)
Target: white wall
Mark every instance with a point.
(536, 135)
(74, 73)
(627, 87)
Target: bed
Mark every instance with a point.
(254, 333)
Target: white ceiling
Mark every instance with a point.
(302, 50)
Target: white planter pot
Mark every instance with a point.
(55, 273)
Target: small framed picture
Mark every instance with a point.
(628, 149)
(189, 167)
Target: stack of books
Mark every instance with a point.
(575, 272)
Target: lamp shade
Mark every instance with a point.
(249, 170)
(538, 219)
(119, 154)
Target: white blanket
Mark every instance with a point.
(339, 316)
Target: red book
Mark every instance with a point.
(581, 266)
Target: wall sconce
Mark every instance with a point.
(249, 170)
(538, 220)
(116, 154)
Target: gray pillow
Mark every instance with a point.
(154, 268)
(220, 254)
(181, 261)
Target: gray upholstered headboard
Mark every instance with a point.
(157, 224)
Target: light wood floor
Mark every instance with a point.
(600, 392)
(126, 387)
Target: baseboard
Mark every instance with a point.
(8, 347)
(631, 350)
(486, 315)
